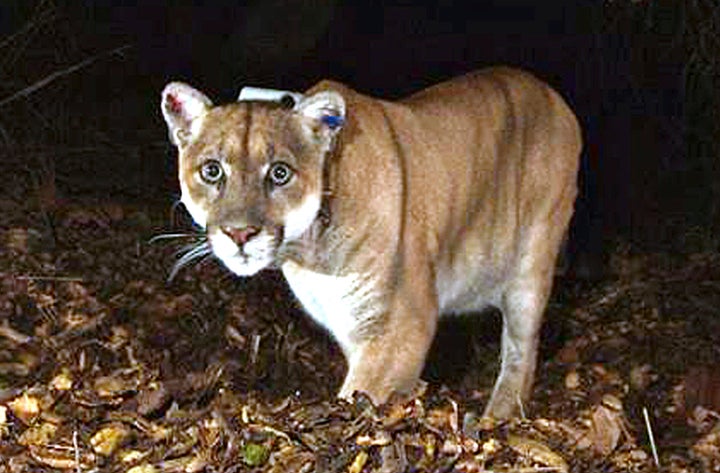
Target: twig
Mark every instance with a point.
(271, 430)
(50, 278)
(651, 437)
(29, 26)
(57, 74)
(76, 449)
(522, 407)
(18, 337)
(44, 13)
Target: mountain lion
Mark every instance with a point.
(383, 215)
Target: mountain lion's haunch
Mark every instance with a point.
(383, 215)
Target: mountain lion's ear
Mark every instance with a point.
(326, 111)
(181, 106)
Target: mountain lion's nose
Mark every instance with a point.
(241, 235)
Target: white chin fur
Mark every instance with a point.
(256, 255)
(299, 220)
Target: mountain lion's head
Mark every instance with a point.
(251, 172)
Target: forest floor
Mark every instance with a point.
(106, 366)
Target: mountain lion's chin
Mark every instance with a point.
(246, 265)
(255, 255)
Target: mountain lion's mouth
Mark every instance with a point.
(245, 259)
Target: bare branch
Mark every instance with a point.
(58, 74)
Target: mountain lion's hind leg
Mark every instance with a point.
(522, 310)
(523, 304)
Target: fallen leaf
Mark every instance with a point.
(26, 408)
(359, 462)
(107, 440)
(537, 452)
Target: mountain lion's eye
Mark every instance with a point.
(211, 172)
(280, 174)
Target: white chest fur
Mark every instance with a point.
(341, 304)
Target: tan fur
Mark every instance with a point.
(449, 201)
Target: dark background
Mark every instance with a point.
(641, 75)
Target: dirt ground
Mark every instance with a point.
(106, 366)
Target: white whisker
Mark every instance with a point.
(169, 236)
(191, 253)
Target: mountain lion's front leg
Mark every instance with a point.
(391, 356)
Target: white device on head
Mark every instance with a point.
(269, 95)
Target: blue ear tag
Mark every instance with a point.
(332, 121)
